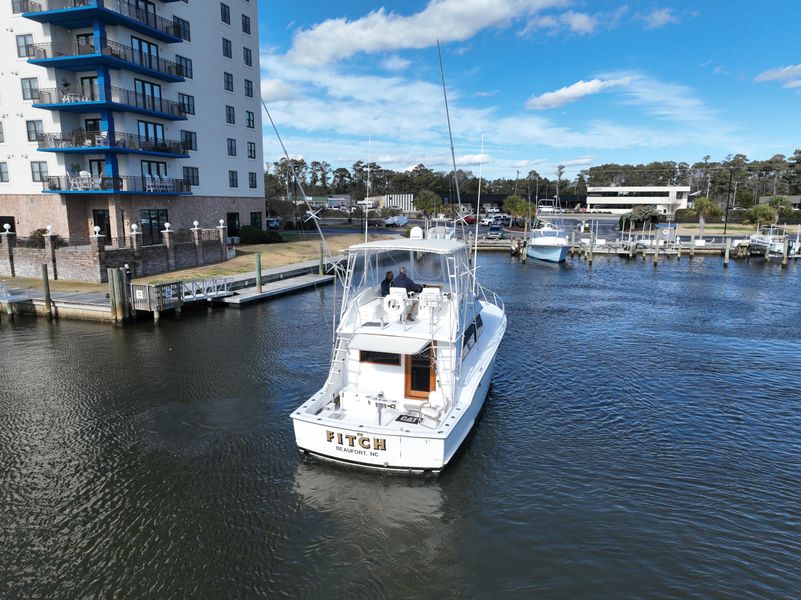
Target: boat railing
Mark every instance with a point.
(489, 296)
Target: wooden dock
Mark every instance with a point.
(245, 296)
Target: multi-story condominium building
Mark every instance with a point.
(122, 112)
(622, 199)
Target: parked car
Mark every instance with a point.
(503, 220)
(396, 221)
(487, 221)
(495, 232)
(272, 223)
(470, 220)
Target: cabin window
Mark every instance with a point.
(469, 339)
(379, 358)
(479, 326)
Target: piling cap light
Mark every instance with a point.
(195, 223)
(49, 229)
(134, 227)
(97, 230)
(166, 226)
(222, 222)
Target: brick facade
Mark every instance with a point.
(89, 262)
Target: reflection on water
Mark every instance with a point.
(640, 439)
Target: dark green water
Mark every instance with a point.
(642, 439)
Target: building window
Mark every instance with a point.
(181, 27)
(253, 181)
(189, 140)
(35, 129)
(245, 24)
(227, 48)
(231, 147)
(248, 88)
(230, 115)
(255, 220)
(233, 179)
(228, 82)
(247, 56)
(153, 167)
(3, 172)
(25, 45)
(188, 103)
(2, 135)
(38, 170)
(225, 13)
(191, 176)
(250, 119)
(30, 88)
(251, 149)
(186, 66)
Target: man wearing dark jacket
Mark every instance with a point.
(403, 280)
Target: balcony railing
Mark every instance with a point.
(120, 141)
(152, 184)
(126, 9)
(91, 93)
(114, 49)
(23, 6)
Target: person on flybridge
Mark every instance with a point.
(387, 283)
(404, 281)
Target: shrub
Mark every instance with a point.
(251, 235)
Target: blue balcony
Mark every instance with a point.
(88, 99)
(126, 185)
(74, 56)
(75, 14)
(82, 142)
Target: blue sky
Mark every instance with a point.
(545, 82)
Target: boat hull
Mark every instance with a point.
(379, 448)
(556, 253)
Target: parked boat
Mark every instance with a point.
(547, 242)
(410, 370)
(768, 240)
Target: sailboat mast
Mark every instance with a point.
(367, 189)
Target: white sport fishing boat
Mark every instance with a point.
(410, 371)
(547, 242)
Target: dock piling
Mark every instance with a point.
(656, 251)
(726, 253)
(785, 253)
(112, 293)
(692, 246)
(48, 301)
(258, 272)
(322, 260)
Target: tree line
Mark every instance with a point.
(735, 179)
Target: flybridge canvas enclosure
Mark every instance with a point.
(434, 263)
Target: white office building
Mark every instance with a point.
(121, 112)
(622, 199)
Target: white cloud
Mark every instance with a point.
(473, 160)
(573, 92)
(659, 18)
(395, 63)
(381, 31)
(275, 90)
(790, 74)
(486, 94)
(580, 23)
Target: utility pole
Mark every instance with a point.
(728, 198)
(517, 176)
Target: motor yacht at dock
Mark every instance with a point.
(410, 370)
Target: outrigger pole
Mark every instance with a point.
(450, 133)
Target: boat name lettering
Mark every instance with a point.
(352, 440)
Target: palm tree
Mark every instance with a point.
(705, 208)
